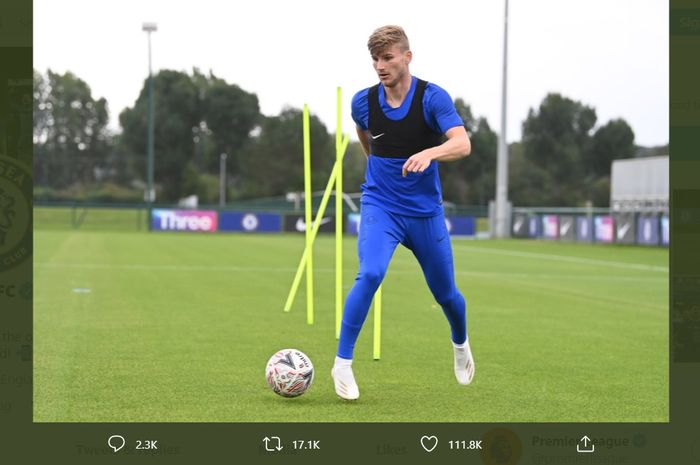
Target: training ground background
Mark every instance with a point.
(177, 327)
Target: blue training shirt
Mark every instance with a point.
(418, 194)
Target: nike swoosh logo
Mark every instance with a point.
(518, 225)
(564, 229)
(301, 224)
(623, 230)
(377, 136)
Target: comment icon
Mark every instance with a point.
(116, 442)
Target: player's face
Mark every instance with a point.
(391, 65)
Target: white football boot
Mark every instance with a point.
(344, 379)
(464, 364)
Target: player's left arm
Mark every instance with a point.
(455, 147)
(442, 115)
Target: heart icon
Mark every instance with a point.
(429, 443)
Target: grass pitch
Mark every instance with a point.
(161, 327)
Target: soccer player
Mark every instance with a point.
(401, 123)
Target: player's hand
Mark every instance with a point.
(416, 164)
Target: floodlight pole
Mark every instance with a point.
(150, 193)
(502, 214)
(222, 179)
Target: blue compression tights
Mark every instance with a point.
(428, 239)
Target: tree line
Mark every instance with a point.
(563, 158)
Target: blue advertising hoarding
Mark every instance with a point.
(584, 229)
(250, 222)
(535, 226)
(461, 225)
(664, 230)
(456, 225)
(648, 230)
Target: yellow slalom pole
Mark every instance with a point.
(339, 152)
(378, 323)
(314, 229)
(307, 210)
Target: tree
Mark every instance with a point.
(177, 113)
(354, 165)
(230, 113)
(655, 151)
(525, 179)
(272, 164)
(41, 128)
(70, 135)
(485, 148)
(471, 180)
(613, 141)
(555, 139)
(197, 118)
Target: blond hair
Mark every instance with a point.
(385, 37)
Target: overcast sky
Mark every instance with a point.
(612, 55)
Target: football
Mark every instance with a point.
(289, 372)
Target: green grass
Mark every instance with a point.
(91, 218)
(179, 327)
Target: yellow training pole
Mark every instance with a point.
(378, 323)
(314, 230)
(307, 209)
(339, 219)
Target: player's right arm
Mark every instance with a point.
(360, 114)
(363, 135)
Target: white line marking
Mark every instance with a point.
(106, 266)
(564, 258)
(349, 271)
(82, 290)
